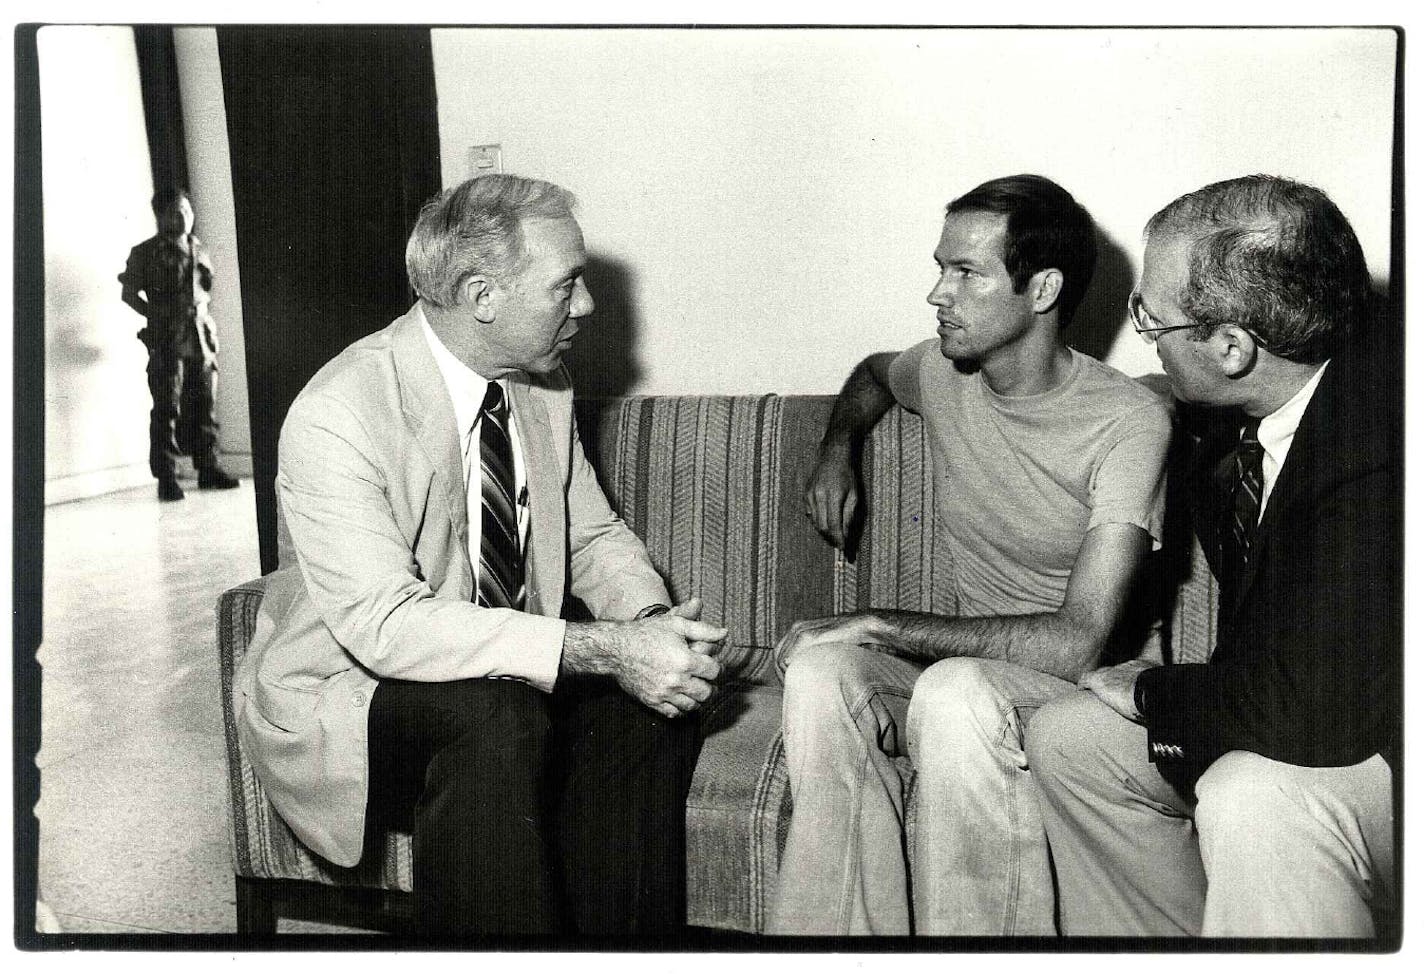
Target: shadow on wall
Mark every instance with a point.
(604, 357)
(75, 339)
(95, 383)
(1101, 314)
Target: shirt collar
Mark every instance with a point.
(1278, 429)
(466, 386)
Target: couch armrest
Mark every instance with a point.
(237, 617)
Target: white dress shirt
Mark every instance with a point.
(467, 393)
(1277, 432)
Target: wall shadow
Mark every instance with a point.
(604, 358)
(1101, 314)
(75, 344)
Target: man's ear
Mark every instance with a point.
(1235, 349)
(1046, 286)
(478, 291)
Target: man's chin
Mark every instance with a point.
(963, 359)
(1182, 395)
(547, 364)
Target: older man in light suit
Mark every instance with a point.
(412, 667)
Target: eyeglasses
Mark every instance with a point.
(1145, 324)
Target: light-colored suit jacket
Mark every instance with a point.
(370, 486)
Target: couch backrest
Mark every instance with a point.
(713, 485)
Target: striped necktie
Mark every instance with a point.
(1245, 502)
(501, 575)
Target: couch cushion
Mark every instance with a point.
(738, 810)
(712, 484)
(901, 561)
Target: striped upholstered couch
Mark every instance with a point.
(713, 485)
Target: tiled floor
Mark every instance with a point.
(133, 834)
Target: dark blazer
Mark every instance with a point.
(1307, 660)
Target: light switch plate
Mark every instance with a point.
(483, 160)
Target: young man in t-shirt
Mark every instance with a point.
(1048, 492)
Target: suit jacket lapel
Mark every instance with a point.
(1290, 481)
(429, 414)
(543, 473)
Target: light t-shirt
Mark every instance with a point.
(1020, 480)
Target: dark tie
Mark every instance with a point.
(501, 581)
(1245, 505)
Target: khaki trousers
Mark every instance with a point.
(1266, 850)
(856, 722)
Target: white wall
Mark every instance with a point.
(96, 206)
(771, 198)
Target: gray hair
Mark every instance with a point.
(1274, 256)
(476, 228)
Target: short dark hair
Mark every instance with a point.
(1274, 256)
(166, 196)
(1046, 227)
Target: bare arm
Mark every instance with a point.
(833, 490)
(1065, 643)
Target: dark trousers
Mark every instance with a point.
(534, 813)
(184, 390)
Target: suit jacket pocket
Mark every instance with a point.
(287, 708)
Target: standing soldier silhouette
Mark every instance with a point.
(167, 280)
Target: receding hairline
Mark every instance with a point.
(1000, 230)
(521, 260)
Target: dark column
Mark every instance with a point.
(162, 105)
(334, 142)
(28, 433)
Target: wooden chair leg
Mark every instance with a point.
(256, 913)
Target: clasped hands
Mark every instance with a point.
(667, 661)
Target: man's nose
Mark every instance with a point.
(582, 304)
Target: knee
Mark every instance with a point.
(822, 677)
(952, 697)
(1064, 736)
(503, 717)
(643, 734)
(1240, 793)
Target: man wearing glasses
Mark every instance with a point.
(1048, 497)
(1251, 795)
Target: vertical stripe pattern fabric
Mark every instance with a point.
(696, 478)
(501, 569)
(713, 484)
